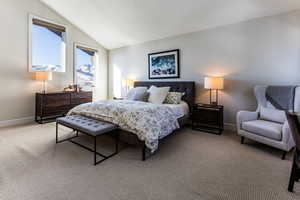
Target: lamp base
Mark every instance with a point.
(214, 103)
(44, 87)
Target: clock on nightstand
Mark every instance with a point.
(208, 118)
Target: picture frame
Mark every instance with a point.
(164, 64)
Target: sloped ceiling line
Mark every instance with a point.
(119, 23)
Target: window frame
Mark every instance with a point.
(64, 37)
(95, 59)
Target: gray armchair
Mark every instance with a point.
(267, 125)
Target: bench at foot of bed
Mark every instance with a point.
(90, 127)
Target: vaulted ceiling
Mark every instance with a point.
(118, 23)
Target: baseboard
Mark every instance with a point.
(229, 126)
(14, 122)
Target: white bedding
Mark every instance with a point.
(150, 122)
(182, 108)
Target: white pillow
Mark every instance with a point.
(273, 115)
(134, 92)
(158, 95)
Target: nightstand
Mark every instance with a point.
(208, 118)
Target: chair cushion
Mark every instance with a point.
(87, 125)
(263, 128)
(274, 115)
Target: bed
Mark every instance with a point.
(149, 122)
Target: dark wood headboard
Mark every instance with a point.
(188, 87)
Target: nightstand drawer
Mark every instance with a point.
(82, 95)
(59, 110)
(56, 100)
(207, 118)
(50, 105)
(80, 101)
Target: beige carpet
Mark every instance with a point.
(189, 165)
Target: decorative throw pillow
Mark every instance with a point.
(157, 95)
(145, 97)
(135, 93)
(274, 115)
(174, 97)
(141, 96)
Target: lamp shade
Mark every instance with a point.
(42, 76)
(214, 83)
(129, 83)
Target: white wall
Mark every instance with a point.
(17, 90)
(260, 51)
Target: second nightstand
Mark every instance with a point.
(207, 117)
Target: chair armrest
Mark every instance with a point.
(287, 134)
(243, 116)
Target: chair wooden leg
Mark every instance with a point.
(297, 172)
(283, 155)
(242, 139)
(292, 177)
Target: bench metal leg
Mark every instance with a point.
(94, 149)
(67, 139)
(116, 132)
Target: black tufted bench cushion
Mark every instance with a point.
(87, 125)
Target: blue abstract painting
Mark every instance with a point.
(164, 64)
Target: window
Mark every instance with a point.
(47, 45)
(85, 67)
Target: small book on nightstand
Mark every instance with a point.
(208, 118)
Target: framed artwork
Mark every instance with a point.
(164, 64)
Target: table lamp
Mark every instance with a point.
(43, 76)
(214, 83)
(129, 84)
